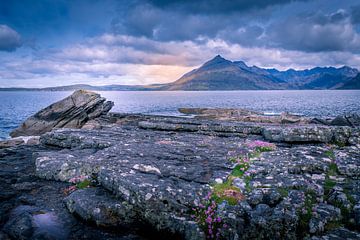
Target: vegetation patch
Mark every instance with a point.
(333, 169)
(261, 146)
(241, 167)
(227, 192)
(330, 154)
(340, 144)
(80, 182)
(329, 183)
(209, 219)
(306, 212)
(284, 192)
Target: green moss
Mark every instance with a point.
(330, 154)
(333, 170)
(84, 184)
(237, 172)
(226, 192)
(264, 149)
(329, 184)
(340, 144)
(284, 192)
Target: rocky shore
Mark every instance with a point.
(224, 174)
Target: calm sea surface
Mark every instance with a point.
(15, 107)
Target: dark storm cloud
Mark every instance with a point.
(9, 39)
(188, 20)
(154, 23)
(240, 22)
(315, 33)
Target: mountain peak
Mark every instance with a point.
(218, 57)
(216, 61)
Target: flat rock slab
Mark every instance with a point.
(286, 133)
(163, 174)
(159, 176)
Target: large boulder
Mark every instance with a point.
(72, 112)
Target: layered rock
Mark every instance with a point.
(71, 112)
(288, 133)
(243, 115)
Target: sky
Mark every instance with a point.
(99, 42)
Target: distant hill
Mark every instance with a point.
(353, 83)
(85, 87)
(222, 74)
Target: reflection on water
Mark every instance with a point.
(47, 225)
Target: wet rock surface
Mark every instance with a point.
(32, 208)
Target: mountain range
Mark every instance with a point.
(222, 74)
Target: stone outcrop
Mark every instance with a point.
(243, 115)
(352, 120)
(152, 173)
(71, 112)
(287, 133)
(159, 175)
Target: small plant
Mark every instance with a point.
(329, 183)
(284, 192)
(261, 146)
(242, 166)
(80, 182)
(330, 154)
(226, 192)
(208, 218)
(333, 169)
(307, 212)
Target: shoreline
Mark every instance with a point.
(282, 178)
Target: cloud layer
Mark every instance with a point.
(156, 41)
(9, 39)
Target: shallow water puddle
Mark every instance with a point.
(49, 225)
